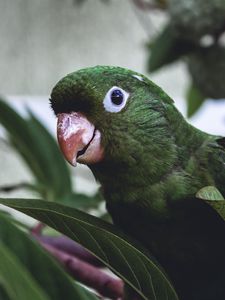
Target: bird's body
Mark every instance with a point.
(150, 163)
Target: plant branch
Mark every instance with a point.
(87, 274)
(37, 229)
(82, 265)
(70, 247)
(14, 187)
(66, 245)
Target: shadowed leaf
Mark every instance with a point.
(40, 152)
(128, 260)
(50, 158)
(17, 282)
(194, 100)
(167, 48)
(3, 294)
(41, 267)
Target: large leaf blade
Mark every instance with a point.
(51, 160)
(107, 243)
(17, 282)
(3, 293)
(45, 271)
(20, 137)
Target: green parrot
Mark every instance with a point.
(150, 163)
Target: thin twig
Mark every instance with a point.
(87, 274)
(82, 265)
(14, 187)
(68, 246)
(37, 229)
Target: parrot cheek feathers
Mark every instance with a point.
(78, 139)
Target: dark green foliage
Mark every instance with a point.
(167, 48)
(124, 257)
(3, 294)
(28, 272)
(15, 278)
(52, 179)
(207, 69)
(192, 19)
(193, 33)
(39, 150)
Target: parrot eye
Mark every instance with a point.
(115, 99)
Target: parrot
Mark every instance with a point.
(150, 163)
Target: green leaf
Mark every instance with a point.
(128, 260)
(167, 48)
(40, 265)
(17, 282)
(214, 198)
(194, 100)
(40, 151)
(20, 137)
(209, 193)
(84, 202)
(3, 294)
(53, 163)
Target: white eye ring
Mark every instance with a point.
(115, 99)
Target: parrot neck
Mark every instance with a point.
(185, 135)
(128, 185)
(160, 173)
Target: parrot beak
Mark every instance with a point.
(78, 139)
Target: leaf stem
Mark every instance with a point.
(70, 247)
(37, 229)
(14, 187)
(81, 264)
(87, 274)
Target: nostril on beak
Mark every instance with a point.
(67, 121)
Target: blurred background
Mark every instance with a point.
(42, 41)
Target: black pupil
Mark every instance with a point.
(117, 97)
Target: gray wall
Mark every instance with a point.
(41, 41)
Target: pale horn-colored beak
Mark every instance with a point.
(78, 139)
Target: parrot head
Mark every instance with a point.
(111, 118)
